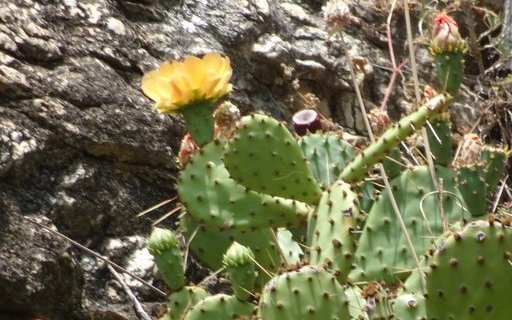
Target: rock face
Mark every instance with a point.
(80, 145)
(38, 276)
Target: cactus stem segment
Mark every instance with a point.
(376, 151)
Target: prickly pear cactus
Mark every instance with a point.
(326, 155)
(239, 262)
(164, 246)
(258, 191)
(213, 198)
(265, 157)
(382, 253)
(469, 276)
(331, 230)
(220, 307)
(308, 293)
(209, 246)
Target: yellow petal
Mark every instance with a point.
(226, 66)
(181, 85)
(213, 61)
(167, 108)
(209, 87)
(167, 69)
(222, 86)
(150, 85)
(194, 68)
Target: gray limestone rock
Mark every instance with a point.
(38, 273)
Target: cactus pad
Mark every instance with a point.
(239, 264)
(382, 253)
(470, 276)
(495, 159)
(440, 139)
(220, 307)
(265, 157)
(164, 246)
(409, 306)
(472, 186)
(200, 122)
(392, 163)
(326, 155)
(356, 303)
(209, 246)
(450, 70)
(180, 302)
(290, 249)
(308, 293)
(330, 230)
(213, 198)
(375, 152)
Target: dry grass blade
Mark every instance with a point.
(167, 215)
(279, 249)
(498, 194)
(138, 307)
(156, 206)
(211, 276)
(187, 247)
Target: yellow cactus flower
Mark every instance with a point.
(179, 84)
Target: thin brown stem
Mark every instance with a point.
(89, 251)
(138, 307)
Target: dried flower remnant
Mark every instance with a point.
(226, 117)
(187, 148)
(337, 16)
(470, 149)
(379, 120)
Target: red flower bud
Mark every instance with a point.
(446, 36)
